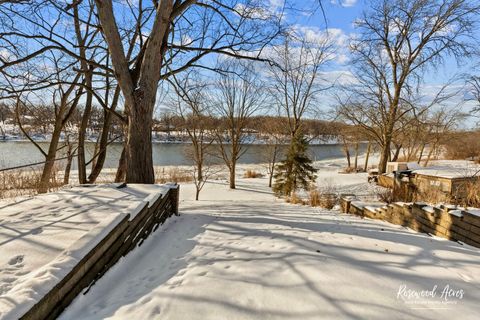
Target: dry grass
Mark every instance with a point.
(252, 174)
(295, 199)
(24, 182)
(402, 193)
(471, 196)
(432, 196)
(172, 175)
(385, 195)
(318, 198)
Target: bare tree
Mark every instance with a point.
(438, 126)
(397, 41)
(295, 76)
(180, 34)
(238, 95)
(65, 98)
(273, 151)
(190, 104)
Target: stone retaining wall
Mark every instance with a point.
(443, 221)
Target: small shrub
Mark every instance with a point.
(322, 199)
(252, 174)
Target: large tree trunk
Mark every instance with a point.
(385, 153)
(139, 141)
(139, 86)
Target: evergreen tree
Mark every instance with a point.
(296, 171)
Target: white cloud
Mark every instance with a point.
(337, 37)
(344, 3)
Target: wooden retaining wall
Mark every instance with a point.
(442, 221)
(124, 237)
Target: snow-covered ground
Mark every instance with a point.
(43, 238)
(243, 254)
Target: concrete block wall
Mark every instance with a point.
(443, 221)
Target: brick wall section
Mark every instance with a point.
(119, 242)
(442, 221)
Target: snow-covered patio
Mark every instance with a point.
(243, 254)
(42, 239)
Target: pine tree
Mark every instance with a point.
(296, 171)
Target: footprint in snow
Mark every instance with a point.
(156, 311)
(16, 260)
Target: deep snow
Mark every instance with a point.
(242, 254)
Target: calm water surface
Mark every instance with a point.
(14, 153)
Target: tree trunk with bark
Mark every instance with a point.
(97, 166)
(68, 167)
(369, 147)
(122, 166)
(139, 141)
(82, 131)
(232, 175)
(50, 159)
(356, 157)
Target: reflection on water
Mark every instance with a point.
(19, 153)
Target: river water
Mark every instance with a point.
(15, 153)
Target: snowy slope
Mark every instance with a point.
(243, 254)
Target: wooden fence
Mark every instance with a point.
(124, 237)
(443, 221)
